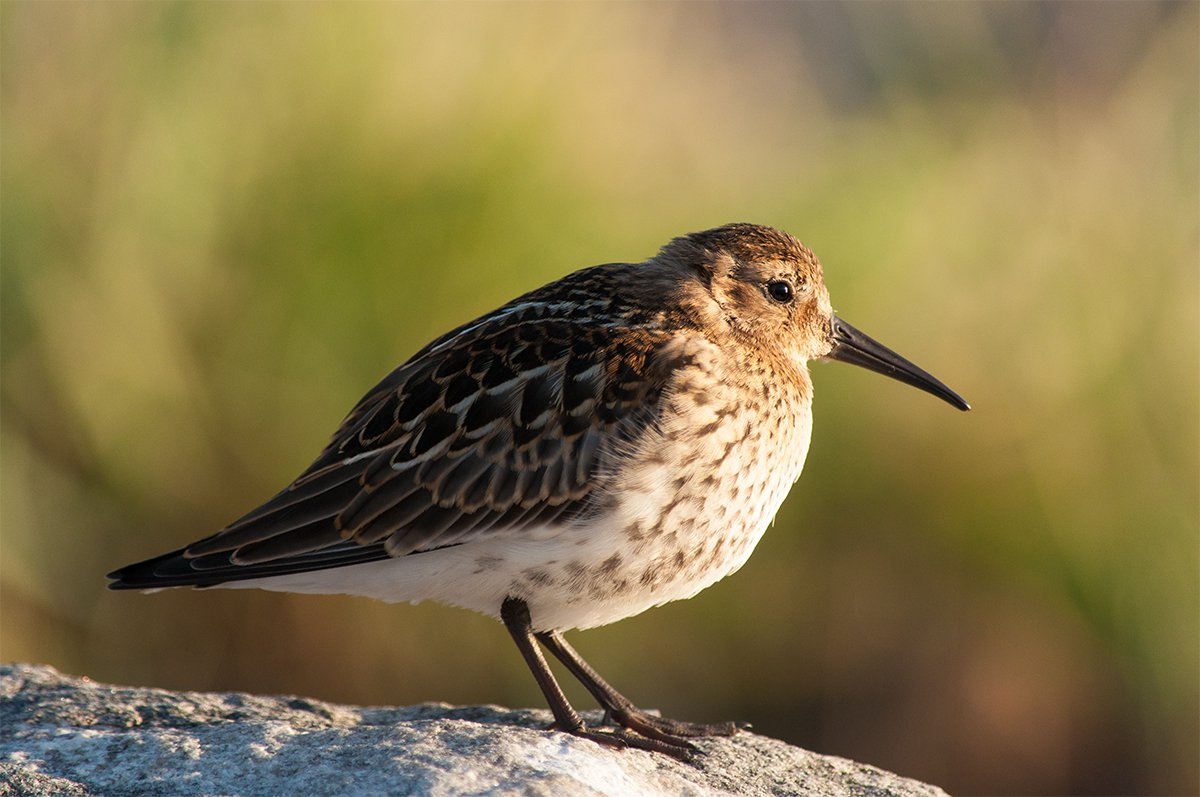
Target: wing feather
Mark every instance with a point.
(504, 424)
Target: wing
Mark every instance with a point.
(503, 424)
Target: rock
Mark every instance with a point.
(62, 735)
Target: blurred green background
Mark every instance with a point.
(222, 223)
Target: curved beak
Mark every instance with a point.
(852, 346)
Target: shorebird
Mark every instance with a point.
(614, 440)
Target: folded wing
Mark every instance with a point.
(503, 424)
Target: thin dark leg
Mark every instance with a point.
(515, 614)
(620, 708)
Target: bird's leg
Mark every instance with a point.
(620, 708)
(515, 614)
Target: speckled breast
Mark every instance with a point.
(691, 498)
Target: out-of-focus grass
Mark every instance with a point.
(222, 223)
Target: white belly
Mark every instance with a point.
(685, 513)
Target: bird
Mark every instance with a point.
(617, 439)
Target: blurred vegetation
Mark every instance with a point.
(223, 222)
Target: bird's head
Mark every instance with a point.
(768, 290)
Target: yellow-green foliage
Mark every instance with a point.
(223, 222)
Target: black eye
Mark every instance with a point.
(780, 291)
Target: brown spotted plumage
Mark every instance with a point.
(612, 441)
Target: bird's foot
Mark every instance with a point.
(620, 738)
(669, 730)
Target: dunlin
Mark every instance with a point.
(614, 440)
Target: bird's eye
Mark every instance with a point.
(780, 291)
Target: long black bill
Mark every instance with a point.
(852, 346)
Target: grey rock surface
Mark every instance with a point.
(63, 735)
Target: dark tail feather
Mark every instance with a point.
(176, 570)
(169, 570)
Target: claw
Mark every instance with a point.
(669, 729)
(622, 738)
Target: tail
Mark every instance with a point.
(169, 570)
(177, 569)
